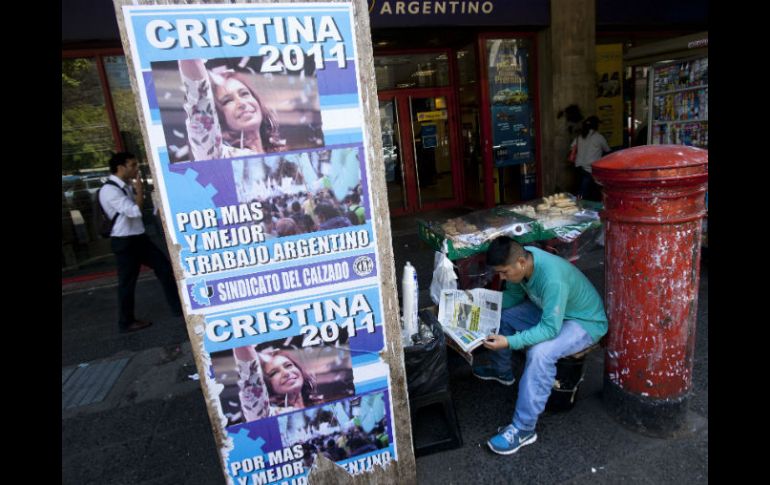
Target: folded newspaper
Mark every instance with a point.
(469, 316)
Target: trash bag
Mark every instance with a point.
(426, 364)
(444, 277)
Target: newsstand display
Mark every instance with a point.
(557, 223)
(680, 99)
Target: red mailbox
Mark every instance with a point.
(654, 203)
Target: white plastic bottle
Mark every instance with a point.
(410, 295)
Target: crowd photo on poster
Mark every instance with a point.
(303, 192)
(339, 430)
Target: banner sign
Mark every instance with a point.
(510, 102)
(609, 96)
(255, 120)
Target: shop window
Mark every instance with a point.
(125, 105)
(411, 71)
(88, 140)
(86, 132)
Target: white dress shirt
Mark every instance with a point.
(590, 149)
(121, 200)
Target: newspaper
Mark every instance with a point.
(468, 316)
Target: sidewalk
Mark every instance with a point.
(152, 427)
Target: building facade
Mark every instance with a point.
(472, 96)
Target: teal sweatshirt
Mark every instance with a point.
(563, 293)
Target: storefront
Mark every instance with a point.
(458, 101)
(469, 93)
(453, 133)
(671, 106)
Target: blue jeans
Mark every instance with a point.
(540, 370)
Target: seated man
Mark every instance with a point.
(563, 315)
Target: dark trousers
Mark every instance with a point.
(131, 252)
(588, 188)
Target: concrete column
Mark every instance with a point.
(568, 76)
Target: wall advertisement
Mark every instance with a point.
(609, 92)
(510, 102)
(255, 121)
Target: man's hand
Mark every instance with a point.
(138, 189)
(496, 342)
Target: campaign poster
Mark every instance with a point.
(510, 102)
(255, 121)
(609, 92)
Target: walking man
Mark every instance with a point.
(132, 247)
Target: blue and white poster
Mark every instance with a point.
(255, 121)
(510, 102)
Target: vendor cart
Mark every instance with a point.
(559, 224)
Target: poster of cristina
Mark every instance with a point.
(256, 133)
(225, 108)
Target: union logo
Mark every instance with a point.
(363, 265)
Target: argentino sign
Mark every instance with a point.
(263, 142)
(423, 13)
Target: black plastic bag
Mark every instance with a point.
(426, 365)
(569, 375)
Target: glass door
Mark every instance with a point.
(392, 156)
(432, 145)
(419, 136)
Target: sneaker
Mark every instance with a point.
(510, 440)
(488, 373)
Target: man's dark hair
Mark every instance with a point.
(118, 159)
(504, 250)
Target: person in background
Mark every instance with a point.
(591, 146)
(552, 309)
(356, 209)
(286, 226)
(131, 246)
(330, 218)
(334, 452)
(304, 222)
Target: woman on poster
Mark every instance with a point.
(271, 382)
(225, 116)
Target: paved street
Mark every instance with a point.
(152, 426)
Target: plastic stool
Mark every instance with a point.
(454, 440)
(570, 371)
